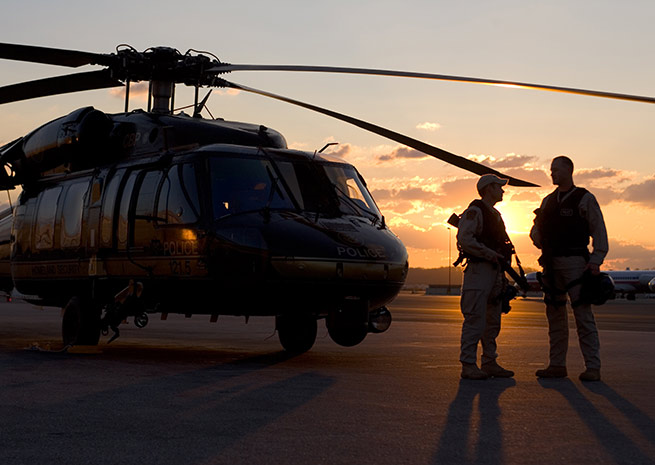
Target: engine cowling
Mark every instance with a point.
(77, 140)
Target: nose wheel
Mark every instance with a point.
(297, 332)
(348, 324)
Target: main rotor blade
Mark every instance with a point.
(441, 77)
(51, 56)
(448, 157)
(58, 85)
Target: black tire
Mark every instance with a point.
(141, 320)
(297, 333)
(347, 328)
(81, 323)
(347, 337)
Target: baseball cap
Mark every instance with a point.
(490, 179)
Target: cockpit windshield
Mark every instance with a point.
(328, 188)
(241, 184)
(354, 198)
(245, 184)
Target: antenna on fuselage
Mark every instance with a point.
(324, 147)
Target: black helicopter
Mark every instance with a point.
(124, 215)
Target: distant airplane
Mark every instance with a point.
(627, 283)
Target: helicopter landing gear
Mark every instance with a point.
(379, 320)
(81, 323)
(297, 333)
(141, 320)
(126, 303)
(348, 325)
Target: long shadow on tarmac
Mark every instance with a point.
(637, 417)
(182, 418)
(457, 444)
(622, 449)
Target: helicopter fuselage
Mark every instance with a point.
(247, 228)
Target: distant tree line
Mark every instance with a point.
(426, 276)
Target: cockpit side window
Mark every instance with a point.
(354, 197)
(144, 208)
(178, 201)
(289, 175)
(190, 186)
(328, 188)
(241, 185)
(309, 186)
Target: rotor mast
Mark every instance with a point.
(162, 93)
(164, 66)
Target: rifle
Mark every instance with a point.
(506, 266)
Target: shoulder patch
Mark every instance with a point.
(471, 214)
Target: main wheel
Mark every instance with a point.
(81, 323)
(297, 333)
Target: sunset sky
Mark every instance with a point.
(595, 44)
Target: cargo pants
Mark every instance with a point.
(564, 271)
(481, 307)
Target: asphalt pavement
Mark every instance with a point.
(187, 391)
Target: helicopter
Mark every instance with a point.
(151, 211)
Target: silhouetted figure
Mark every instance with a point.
(483, 241)
(564, 222)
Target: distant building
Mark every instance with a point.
(443, 289)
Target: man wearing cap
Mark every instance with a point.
(565, 220)
(483, 241)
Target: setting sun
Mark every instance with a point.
(518, 216)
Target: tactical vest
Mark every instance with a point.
(564, 232)
(494, 234)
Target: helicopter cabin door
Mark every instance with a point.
(105, 188)
(140, 235)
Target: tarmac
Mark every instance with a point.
(186, 391)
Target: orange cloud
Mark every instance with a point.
(427, 126)
(419, 238)
(402, 152)
(231, 92)
(138, 90)
(340, 151)
(623, 254)
(525, 196)
(407, 193)
(595, 174)
(512, 160)
(642, 194)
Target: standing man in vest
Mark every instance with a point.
(483, 241)
(565, 220)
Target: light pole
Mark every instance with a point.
(449, 262)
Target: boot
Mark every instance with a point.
(471, 371)
(552, 372)
(590, 374)
(493, 370)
